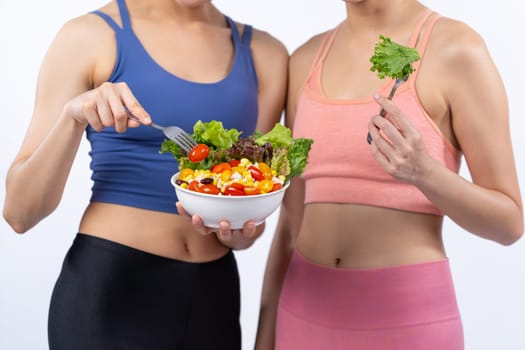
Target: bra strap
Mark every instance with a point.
(124, 14)
(235, 33)
(422, 44)
(247, 35)
(326, 44)
(419, 26)
(108, 20)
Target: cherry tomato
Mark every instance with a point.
(256, 173)
(234, 162)
(209, 189)
(199, 153)
(194, 185)
(237, 186)
(250, 190)
(266, 170)
(232, 191)
(276, 187)
(266, 186)
(219, 168)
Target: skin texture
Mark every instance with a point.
(72, 92)
(474, 117)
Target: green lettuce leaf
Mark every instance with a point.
(279, 136)
(298, 155)
(214, 134)
(393, 60)
(284, 154)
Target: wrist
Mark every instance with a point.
(429, 175)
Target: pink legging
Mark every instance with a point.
(411, 307)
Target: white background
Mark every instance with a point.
(490, 279)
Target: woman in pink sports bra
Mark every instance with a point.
(358, 260)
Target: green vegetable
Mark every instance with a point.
(393, 60)
(214, 134)
(298, 155)
(279, 136)
(290, 155)
(284, 154)
(280, 162)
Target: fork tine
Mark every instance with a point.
(183, 143)
(187, 137)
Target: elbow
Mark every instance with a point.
(18, 224)
(513, 234)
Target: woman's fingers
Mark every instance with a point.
(132, 104)
(90, 114)
(400, 122)
(233, 238)
(396, 144)
(107, 106)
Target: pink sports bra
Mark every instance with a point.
(341, 166)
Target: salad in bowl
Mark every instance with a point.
(234, 178)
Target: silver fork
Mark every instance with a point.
(174, 133)
(382, 113)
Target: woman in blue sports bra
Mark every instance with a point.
(138, 275)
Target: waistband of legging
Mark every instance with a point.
(124, 250)
(369, 298)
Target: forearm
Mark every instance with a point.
(487, 213)
(34, 185)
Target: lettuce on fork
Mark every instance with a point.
(286, 155)
(393, 60)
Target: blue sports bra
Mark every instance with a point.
(127, 168)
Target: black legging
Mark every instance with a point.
(110, 296)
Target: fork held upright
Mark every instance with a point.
(382, 113)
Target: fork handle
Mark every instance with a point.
(382, 113)
(153, 125)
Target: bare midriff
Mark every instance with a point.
(359, 236)
(164, 234)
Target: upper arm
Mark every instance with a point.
(479, 111)
(271, 64)
(66, 71)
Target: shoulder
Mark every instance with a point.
(457, 45)
(85, 44)
(265, 43)
(89, 25)
(303, 57)
(270, 58)
(83, 33)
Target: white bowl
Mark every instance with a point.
(237, 210)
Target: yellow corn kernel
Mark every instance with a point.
(238, 169)
(226, 175)
(184, 173)
(184, 185)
